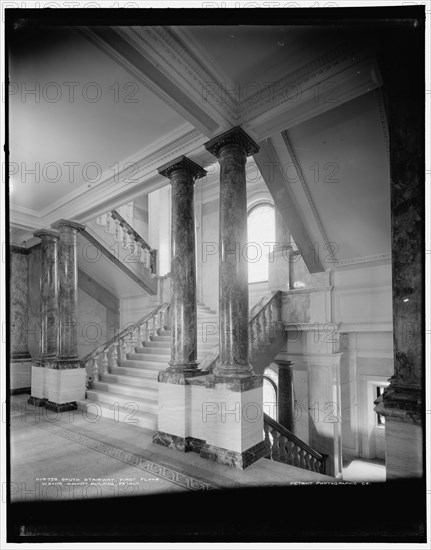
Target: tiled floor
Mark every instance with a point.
(72, 456)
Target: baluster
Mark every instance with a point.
(96, 369)
(123, 349)
(289, 455)
(116, 230)
(282, 445)
(301, 458)
(125, 237)
(307, 460)
(108, 222)
(105, 362)
(145, 257)
(270, 327)
(267, 438)
(295, 457)
(258, 329)
(114, 356)
(138, 253)
(142, 334)
(275, 446)
(264, 325)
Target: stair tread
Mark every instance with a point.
(152, 392)
(119, 397)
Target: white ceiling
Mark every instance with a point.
(255, 55)
(75, 129)
(345, 165)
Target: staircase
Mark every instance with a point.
(124, 383)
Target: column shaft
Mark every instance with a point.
(48, 295)
(232, 149)
(68, 292)
(182, 174)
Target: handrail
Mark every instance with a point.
(125, 332)
(137, 238)
(117, 216)
(265, 305)
(305, 457)
(118, 344)
(208, 364)
(291, 436)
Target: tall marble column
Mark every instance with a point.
(19, 302)
(66, 380)
(48, 343)
(402, 68)
(285, 396)
(174, 393)
(182, 174)
(234, 426)
(232, 149)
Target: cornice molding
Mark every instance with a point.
(319, 69)
(364, 259)
(383, 120)
(178, 60)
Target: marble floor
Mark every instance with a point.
(360, 469)
(70, 456)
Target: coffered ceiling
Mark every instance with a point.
(115, 103)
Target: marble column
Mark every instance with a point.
(19, 303)
(285, 395)
(402, 404)
(48, 343)
(279, 266)
(182, 174)
(66, 380)
(233, 423)
(232, 149)
(174, 393)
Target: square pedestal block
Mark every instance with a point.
(64, 386)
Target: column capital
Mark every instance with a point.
(68, 224)
(182, 163)
(236, 137)
(46, 233)
(282, 363)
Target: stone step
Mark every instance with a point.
(151, 357)
(140, 405)
(165, 332)
(128, 390)
(131, 379)
(158, 348)
(161, 339)
(149, 374)
(117, 409)
(144, 365)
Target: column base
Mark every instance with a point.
(18, 391)
(235, 459)
(18, 355)
(183, 444)
(233, 371)
(61, 407)
(37, 401)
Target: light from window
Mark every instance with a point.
(261, 230)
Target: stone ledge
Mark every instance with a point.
(183, 444)
(234, 384)
(233, 458)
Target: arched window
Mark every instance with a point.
(261, 230)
